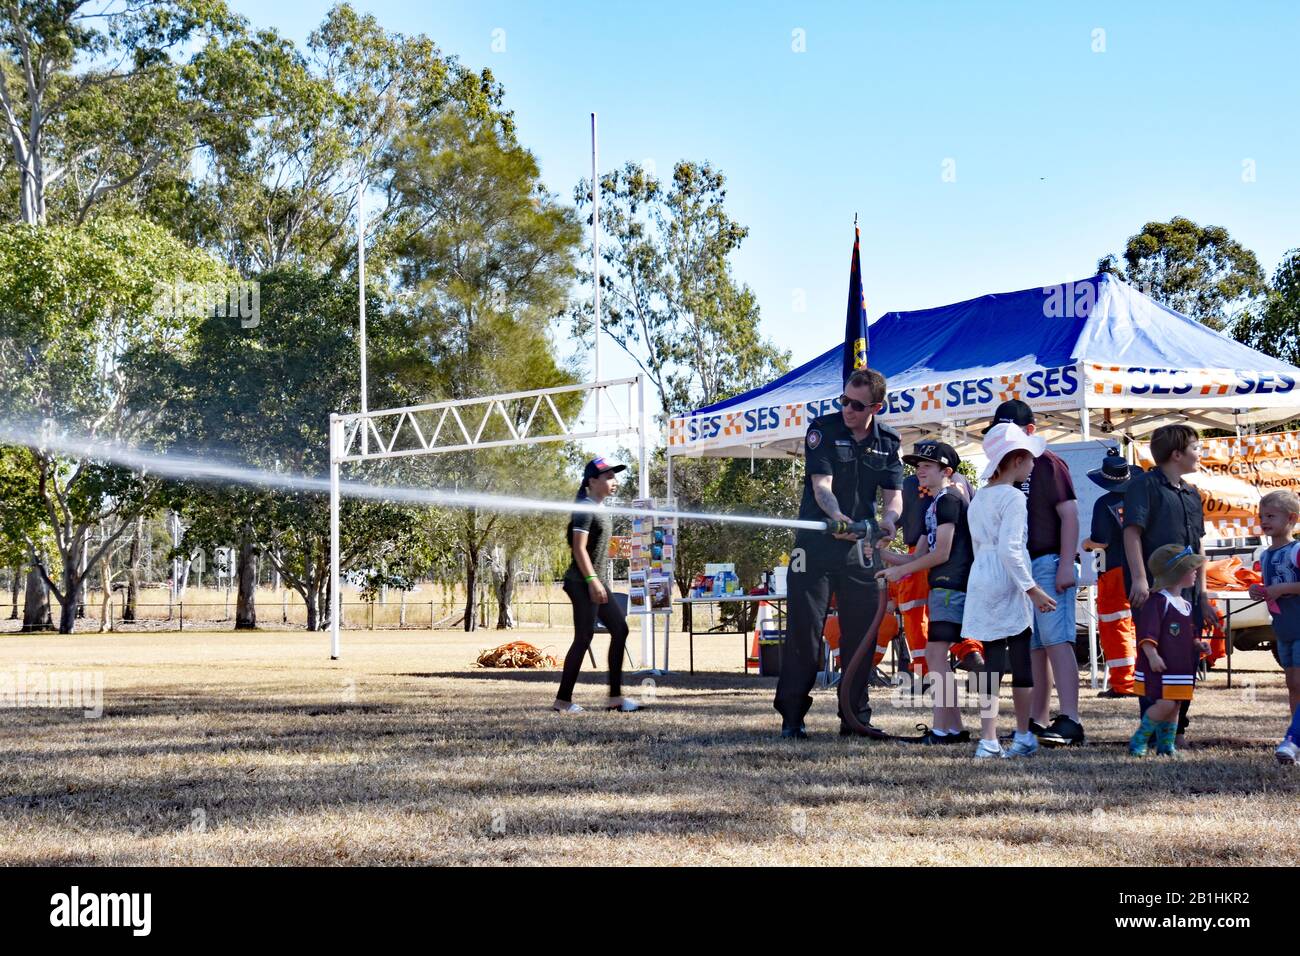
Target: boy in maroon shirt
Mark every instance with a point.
(1053, 543)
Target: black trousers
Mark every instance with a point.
(828, 569)
(585, 612)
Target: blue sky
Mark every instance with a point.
(1060, 153)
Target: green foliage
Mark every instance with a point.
(728, 486)
(1274, 328)
(671, 301)
(1199, 271)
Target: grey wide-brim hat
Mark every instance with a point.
(1169, 563)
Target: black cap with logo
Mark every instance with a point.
(1013, 411)
(935, 451)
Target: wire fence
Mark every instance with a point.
(357, 615)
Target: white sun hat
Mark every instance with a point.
(1004, 438)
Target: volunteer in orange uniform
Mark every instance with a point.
(1114, 616)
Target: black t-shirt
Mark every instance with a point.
(949, 508)
(858, 470)
(600, 529)
(1107, 527)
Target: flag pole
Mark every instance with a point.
(595, 261)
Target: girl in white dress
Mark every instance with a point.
(1001, 592)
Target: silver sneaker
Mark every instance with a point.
(566, 708)
(625, 705)
(989, 749)
(1020, 748)
(1287, 752)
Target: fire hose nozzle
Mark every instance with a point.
(865, 528)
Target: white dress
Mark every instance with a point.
(996, 603)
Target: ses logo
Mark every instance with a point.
(1041, 384)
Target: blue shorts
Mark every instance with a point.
(1058, 626)
(1288, 648)
(945, 604)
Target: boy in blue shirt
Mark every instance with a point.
(1278, 513)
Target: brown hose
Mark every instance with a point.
(865, 652)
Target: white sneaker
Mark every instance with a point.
(624, 704)
(1022, 748)
(989, 748)
(563, 708)
(1287, 751)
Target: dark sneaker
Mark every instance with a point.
(1064, 732)
(1110, 693)
(879, 678)
(789, 729)
(974, 661)
(1035, 728)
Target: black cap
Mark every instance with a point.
(1115, 473)
(1013, 410)
(599, 466)
(935, 451)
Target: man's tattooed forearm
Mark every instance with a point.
(826, 499)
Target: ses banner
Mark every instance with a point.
(1045, 389)
(1236, 473)
(975, 396)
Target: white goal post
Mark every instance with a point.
(611, 409)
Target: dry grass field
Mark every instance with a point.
(257, 749)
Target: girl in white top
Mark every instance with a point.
(1001, 593)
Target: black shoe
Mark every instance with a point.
(974, 661)
(879, 678)
(789, 729)
(1064, 732)
(943, 740)
(1111, 693)
(872, 731)
(1036, 729)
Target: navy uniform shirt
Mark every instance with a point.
(858, 470)
(1166, 513)
(1107, 518)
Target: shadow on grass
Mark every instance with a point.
(708, 745)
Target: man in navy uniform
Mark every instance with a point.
(848, 457)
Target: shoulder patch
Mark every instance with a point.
(814, 438)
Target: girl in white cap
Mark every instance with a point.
(1001, 592)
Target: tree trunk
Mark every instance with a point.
(106, 585)
(246, 605)
(68, 612)
(15, 573)
(471, 589)
(506, 593)
(36, 606)
(133, 575)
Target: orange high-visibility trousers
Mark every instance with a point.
(1215, 636)
(1118, 635)
(914, 603)
(888, 627)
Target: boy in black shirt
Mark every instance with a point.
(946, 553)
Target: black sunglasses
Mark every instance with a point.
(853, 403)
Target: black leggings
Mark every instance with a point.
(1013, 651)
(585, 613)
